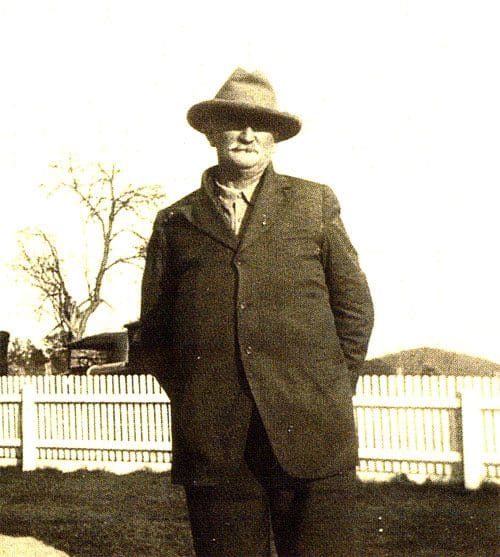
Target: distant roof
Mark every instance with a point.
(102, 341)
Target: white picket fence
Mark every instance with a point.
(437, 427)
(118, 423)
(443, 428)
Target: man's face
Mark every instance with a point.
(243, 149)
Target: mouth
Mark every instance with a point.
(244, 149)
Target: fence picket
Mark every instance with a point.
(406, 424)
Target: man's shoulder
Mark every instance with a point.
(179, 206)
(309, 187)
(313, 194)
(299, 182)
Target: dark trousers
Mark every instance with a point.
(312, 518)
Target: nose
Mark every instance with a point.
(247, 135)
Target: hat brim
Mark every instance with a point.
(206, 115)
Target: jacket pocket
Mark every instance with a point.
(331, 376)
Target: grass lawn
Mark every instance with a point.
(98, 514)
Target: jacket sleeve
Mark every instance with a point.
(156, 302)
(350, 297)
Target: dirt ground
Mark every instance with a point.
(11, 546)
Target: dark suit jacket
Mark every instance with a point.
(281, 315)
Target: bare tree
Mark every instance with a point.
(112, 211)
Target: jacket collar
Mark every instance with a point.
(268, 199)
(207, 216)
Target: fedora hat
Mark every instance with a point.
(244, 99)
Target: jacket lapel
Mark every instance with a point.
(271, 195)
(270, 199)
(204, 215)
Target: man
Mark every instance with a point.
(255, 319)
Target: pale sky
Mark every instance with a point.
(401, 108)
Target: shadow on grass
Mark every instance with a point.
(98, 514)
(440, 520)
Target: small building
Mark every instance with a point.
(111, 352)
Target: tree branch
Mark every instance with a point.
(115, 209)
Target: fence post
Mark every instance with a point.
(472, 438)
(28, 426)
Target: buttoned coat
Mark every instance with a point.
(279, 315)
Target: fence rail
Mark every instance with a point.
(438, 427)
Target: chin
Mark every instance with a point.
(247, 166)
(245, 162)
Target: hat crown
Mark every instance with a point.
(246, 97)
(252, 88)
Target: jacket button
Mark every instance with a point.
(243, 305)
(248, 350)
(289, 429)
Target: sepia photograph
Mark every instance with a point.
(249, 294)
